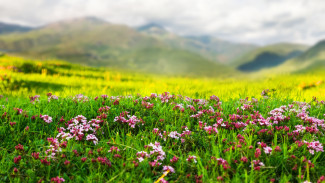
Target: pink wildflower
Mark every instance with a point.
(257, 152)
(267, 150)
(166, 168)
(46, 118)
(191, 158)
(174, 159)
(91, 137)
(57, 179)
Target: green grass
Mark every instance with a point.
(22, 78)
(127, 168)
(64, 79)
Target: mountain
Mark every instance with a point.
(153, 29)
(9, 28)
(310, 60)
(209, 47)
(223, 51)
(94, 42)
(268, 56)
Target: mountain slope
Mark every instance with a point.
(9, 28)
(268, 56)
(94, 42)
(173, 62)
(310, 60)
(207, 46)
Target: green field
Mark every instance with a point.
(22, 77)
(61, 121)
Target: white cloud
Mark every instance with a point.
(256, 21)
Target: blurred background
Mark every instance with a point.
(127, 41)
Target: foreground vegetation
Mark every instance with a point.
(141, 138)
(64, 122)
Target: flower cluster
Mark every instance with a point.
(125, 118)
(46, 118)
(78, 128)
(314, 146)
(191, 159)
(156, 154)
(34, 99)
(52, 97)
(57, 179)
(80, 98)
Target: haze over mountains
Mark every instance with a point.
(208, 46)
(152, 48)
(9, 28)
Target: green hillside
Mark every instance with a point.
(93, 42)
(268, 56)
(223, 51)
(173, 62)
(311, 60)
(207, 46)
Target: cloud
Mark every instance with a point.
(260, 22)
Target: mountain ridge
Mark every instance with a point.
(269, 56)
(98, 43)
(220, 51)
(9, 28)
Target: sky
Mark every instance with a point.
(247, 21)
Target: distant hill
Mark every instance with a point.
(152, 28)
(207, 46)
(94, 42)
(268, 56)
(9, 28)
(220, 50)
(312, 59)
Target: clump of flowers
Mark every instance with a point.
(191, 159)
(12, 124)
(265, 93)
(147, 105)
(78, 128)
(211, 129)
(80, 98)
(156, 154)
(257, 164)
(52, 97)
(169, 169)
(165, 97)
(174, 159)
(17, 159)
(57, 179)
(46, 118)
(18, 110)
(54, 147)
(124, 117)
(174, 135)
(314, 146)
(179, 107)
(34, 99)
(104, 109)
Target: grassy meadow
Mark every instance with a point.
(62, 122)
(23, 77)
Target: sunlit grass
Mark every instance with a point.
(65, 80)
(21, 79)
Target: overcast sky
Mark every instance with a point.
(251, 21)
